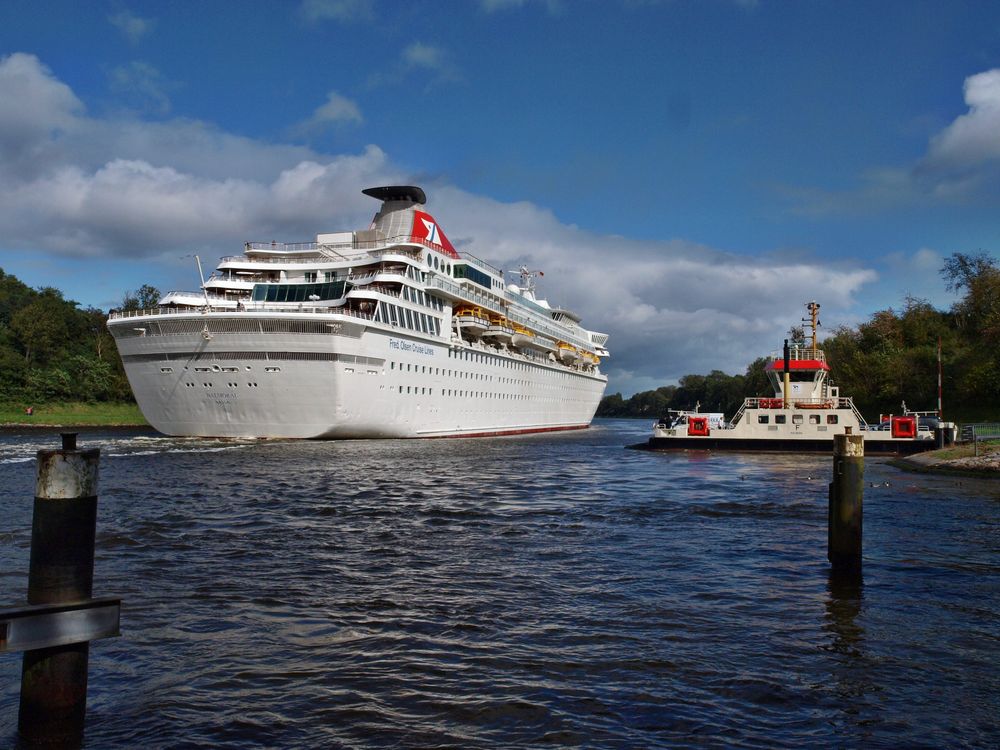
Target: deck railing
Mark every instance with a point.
(247, 307)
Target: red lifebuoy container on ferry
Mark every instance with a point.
(698, 426)
(904, 427)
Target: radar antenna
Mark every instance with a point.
(528, 279)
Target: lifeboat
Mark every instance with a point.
(568, 353)
(472, 320)
(522, 337)
(500, 329)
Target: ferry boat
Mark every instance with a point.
(803, 414)
(387, 332)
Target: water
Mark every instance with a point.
(534, 591)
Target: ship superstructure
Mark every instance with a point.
(383, 332)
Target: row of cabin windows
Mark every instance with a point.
(421, 391)
(491, 360)
(405, 318)
(796, 419)
(448, 373)
(438, 264)
(428, 300)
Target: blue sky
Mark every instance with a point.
(687, 173)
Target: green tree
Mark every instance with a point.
(143, 298)
(40, 329)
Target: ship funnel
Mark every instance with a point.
(407, 193)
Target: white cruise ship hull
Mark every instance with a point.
(332, 376)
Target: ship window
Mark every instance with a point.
(814, 419)
(763, 419)
(796, 419)
(409, 319)
(831, 419)
(311, 276)
(297, 292)
(780, 418)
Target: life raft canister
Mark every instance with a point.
(698, 426)
(904, 427)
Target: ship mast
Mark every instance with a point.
(813, 320)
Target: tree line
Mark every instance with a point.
(52, 350)
(883, 362)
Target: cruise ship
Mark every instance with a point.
(386, 332)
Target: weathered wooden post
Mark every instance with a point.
(54, 679)
(846, 495)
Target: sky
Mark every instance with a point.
(687, 173)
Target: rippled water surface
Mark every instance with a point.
(535, 591)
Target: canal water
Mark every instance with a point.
(553, 590)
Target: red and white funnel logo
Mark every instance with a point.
(425, 228)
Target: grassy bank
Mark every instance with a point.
(79, 414)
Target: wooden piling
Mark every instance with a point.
(54, 680)
(846, 496)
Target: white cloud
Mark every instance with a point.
(35, 111)
(142, 85)
(962, 165)
(973, 138)
(336, 110)
(345, 11)
(492, 6)
(131, 25)
(430, 58)
(672, 307)
(428, 62)
(129, 190)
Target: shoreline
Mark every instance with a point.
(18, 426)
(984, 466)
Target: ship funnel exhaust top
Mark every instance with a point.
(409, 193)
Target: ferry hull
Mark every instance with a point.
(873, 446)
